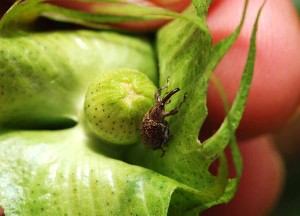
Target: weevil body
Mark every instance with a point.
(155, 131)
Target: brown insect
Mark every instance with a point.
(154, 130)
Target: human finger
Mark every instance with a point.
(175, 5)
(261, 181)
(275, 90)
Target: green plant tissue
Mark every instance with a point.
(51, 166)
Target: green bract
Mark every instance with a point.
(51, 165)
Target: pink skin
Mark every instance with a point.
(274, 95)
(261, 181)
(137, 26)
(273, 99)
(275, 92)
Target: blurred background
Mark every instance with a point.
(288, 141)
(289, 144)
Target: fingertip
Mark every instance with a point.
(275, 91)
(261, 181)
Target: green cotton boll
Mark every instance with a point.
(116, 103)
(44, 76)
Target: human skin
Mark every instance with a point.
(273, 100)
(274, 95)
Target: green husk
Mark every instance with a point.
(67, 172)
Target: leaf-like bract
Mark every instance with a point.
(43, 79)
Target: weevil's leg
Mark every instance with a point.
(158, 92)
(163, 152)
(184, 98)
(168, 136)
(174, 111)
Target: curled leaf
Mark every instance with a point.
(67, 171)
